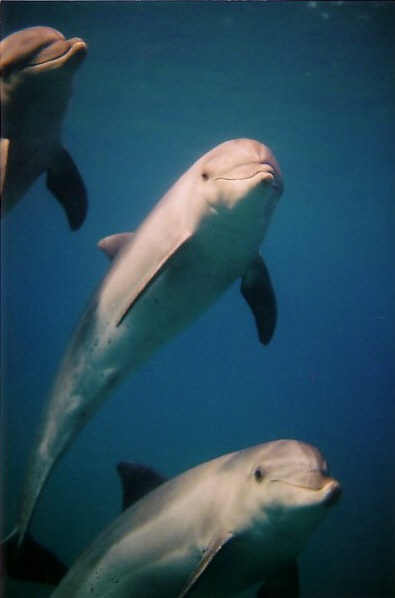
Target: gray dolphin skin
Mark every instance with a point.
(37, 68)
(203, 234)
(218, 529)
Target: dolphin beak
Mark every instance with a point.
(269, 180)
(310, 480)
(333, 494)
(269, 173)
(276, 177)
(57, 49)
(60, 50)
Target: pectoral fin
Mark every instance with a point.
(152, 274)
(209, 554)
(257, 289)
(284, 585)
(65, 182)
(4, 149)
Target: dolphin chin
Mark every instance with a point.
(267, 178)
(333, 494)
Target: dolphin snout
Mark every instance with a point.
(333, 494)
(272, 168)
(56, 49)
(313, 479)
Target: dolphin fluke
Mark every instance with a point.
(30, 561)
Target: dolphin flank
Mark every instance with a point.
(203, 234)
(214, 531)
(37, 69)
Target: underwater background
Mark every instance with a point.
(163, 83)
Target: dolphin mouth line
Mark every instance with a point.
(243, 178)
(76, 45)
(332, 496)
(312, 487)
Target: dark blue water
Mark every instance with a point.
(162, 84)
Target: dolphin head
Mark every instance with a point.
(289, 489)
(240, 176)
(34, 54)
(39, 49)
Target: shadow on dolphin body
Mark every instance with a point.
(203, 235)
(37, 68)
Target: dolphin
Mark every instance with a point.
(214, 531)
(37, 67)
(201, 236)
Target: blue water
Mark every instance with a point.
(163, 83)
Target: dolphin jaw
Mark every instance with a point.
(315, 494)
(314, 484)
(239, 191)
(294, 511)
(269, 177)
(333, 493)
(248, 170)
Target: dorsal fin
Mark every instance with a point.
(114, 243)
(137, 481)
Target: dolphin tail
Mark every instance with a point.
(30, 561)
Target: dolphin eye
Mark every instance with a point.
(205, 176)
(259, 474)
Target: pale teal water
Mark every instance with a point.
(163, 83)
